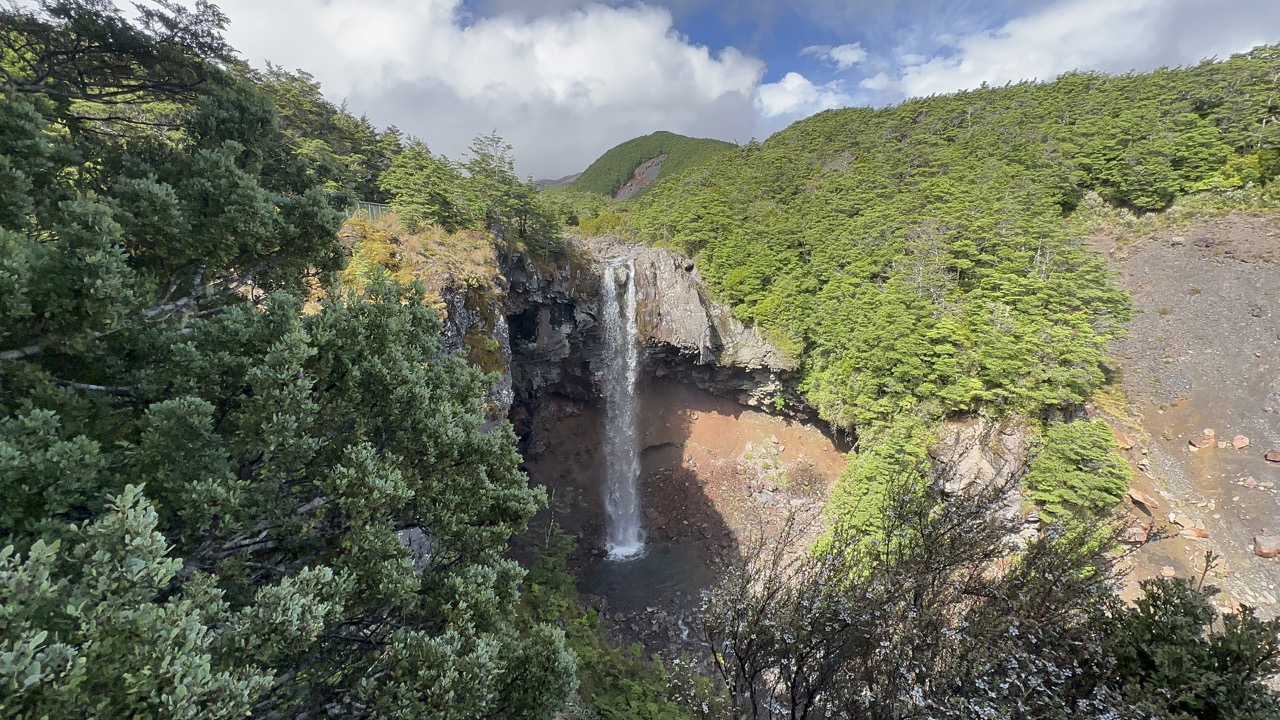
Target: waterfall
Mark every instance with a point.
(623, 535)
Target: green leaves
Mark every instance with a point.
(1170, 656)
(1076, 472)
(425, 189)
(152, 332)
(99, 631)
(918, 253)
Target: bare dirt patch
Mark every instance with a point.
(714, 474)
(1201, 367)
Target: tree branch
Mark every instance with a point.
(19, 353)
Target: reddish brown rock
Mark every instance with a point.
(1273, 457)
(1266, 546)
(1135, 534)
(1195, 533)
(1143, 499)
(1240, 442)
(1201, 441)
(1125, 441)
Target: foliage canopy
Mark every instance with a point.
(917, 254)
(215, 503)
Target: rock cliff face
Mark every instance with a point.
(537, 326)
(551, 310)
(474, 324)
(673, 309)
(691, 338)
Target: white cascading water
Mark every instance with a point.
(623, 535)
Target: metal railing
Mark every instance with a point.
(373, 210)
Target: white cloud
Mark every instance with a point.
(795, 95)
(876, 82)
(1111, 35)
(563, 80)
(562, 87)
(844, 56)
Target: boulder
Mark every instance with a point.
(1273, 457)
(1266, 546)
(1142, 498)
(1240, 442)
(979, 451)
(1201, 441)
(1135, 534)
(1125, 441)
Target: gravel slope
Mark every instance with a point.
(1204, 354)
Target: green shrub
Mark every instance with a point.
(1170, 657)
(1076, 471)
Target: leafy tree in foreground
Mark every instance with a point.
(310, 518)
(1172, 659)
(97, 629)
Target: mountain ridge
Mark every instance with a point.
(612, 171)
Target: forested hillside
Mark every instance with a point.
(917, 256)
(612, 170)
(241, 475)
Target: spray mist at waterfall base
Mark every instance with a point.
(625, 553)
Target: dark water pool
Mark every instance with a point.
(668, 576)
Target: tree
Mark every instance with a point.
(510, 209)
(425, 190)
(1076, 471)
(938, 611)
(67, 51)
(336, 148)
(1169, 655)
(324, 505)
(98, 631)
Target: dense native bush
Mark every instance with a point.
(917, 254)
(1075, 471)
(214, 503)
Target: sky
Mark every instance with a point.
(565, 80)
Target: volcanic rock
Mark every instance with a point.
(1266, 546)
